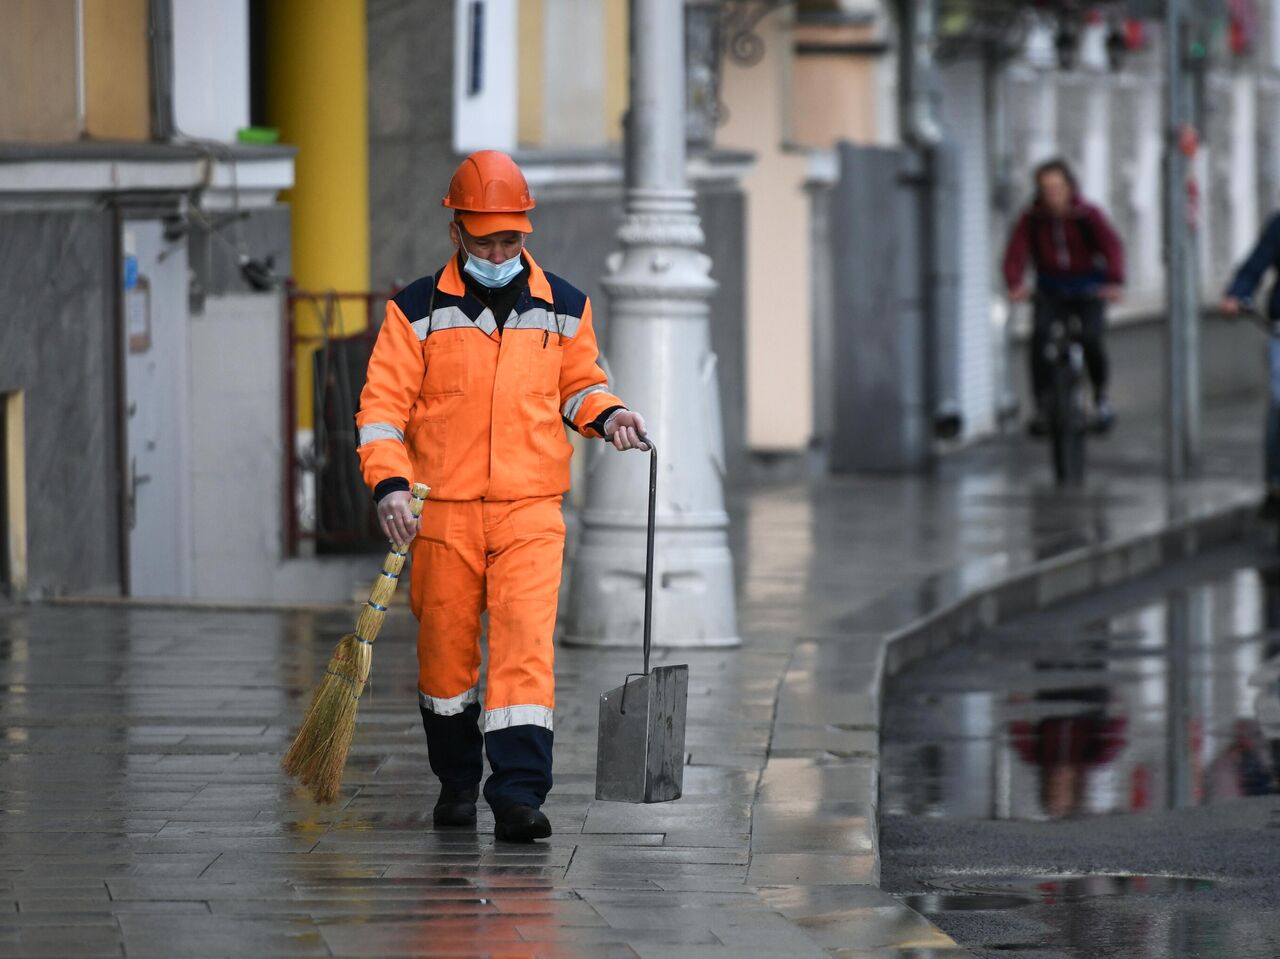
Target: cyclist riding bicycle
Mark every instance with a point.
(1265, 256)
(1079, 265)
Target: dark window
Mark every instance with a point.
(258, 63)
(475, 36)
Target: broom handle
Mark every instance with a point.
(648, 557)
(384, 586)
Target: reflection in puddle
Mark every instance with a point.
(932, 903)
(1161, 705)
(1130, 701)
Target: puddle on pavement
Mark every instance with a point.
(1169, 703)
(985, 894)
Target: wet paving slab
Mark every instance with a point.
(1101, 779)
(143, 811)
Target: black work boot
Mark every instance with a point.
(456, 752)
(521, 824)
(456, 806)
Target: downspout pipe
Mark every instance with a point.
(160, 29)
(921, 129)
(917, 77)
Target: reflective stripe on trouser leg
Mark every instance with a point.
(525, 543)
(447, 595)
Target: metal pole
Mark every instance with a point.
(651, 535)
(918, 106)
(1182, 439)
(659, 348)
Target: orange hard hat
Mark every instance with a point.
(490, 194)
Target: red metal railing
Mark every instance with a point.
(329, 470)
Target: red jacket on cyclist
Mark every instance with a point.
(1079, 265)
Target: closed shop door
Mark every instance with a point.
(154, 294)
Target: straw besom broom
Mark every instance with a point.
(319, 752)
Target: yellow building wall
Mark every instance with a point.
(38, 83)
(40, 80)
(531, 70)
(317, 97)
(779, 325)
(534, 64)
(117, 70)
(616, 67)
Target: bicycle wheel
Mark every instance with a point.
(1067, 426)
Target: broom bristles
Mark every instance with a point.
(319, 751)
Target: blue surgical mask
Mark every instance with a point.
(493, 275)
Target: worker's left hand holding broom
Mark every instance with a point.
(319, 752)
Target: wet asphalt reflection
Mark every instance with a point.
(1099, 779)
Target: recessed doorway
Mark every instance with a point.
(13, 495)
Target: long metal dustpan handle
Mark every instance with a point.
(648, 559)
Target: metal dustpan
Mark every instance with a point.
(640, 752)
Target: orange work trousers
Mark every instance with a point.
(505, 557)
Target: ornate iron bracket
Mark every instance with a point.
(738, 21)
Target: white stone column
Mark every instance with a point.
(659, 347)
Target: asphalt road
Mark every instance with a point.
(1099, 780)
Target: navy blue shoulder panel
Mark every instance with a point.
(569, 300)
(415, 299)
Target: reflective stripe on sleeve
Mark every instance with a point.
(380, 431)
(451, 706)
(507, 716)
(574, 403)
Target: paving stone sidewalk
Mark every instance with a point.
(143, 813)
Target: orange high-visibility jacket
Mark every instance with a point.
(473, 412)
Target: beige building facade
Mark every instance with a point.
(821, 76)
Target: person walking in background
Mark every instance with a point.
(475, 373)
(1264, 256)
(1079, 267)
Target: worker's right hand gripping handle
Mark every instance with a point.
(648, 559)
(370, 621)
(419, 494)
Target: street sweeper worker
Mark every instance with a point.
(476, 372)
